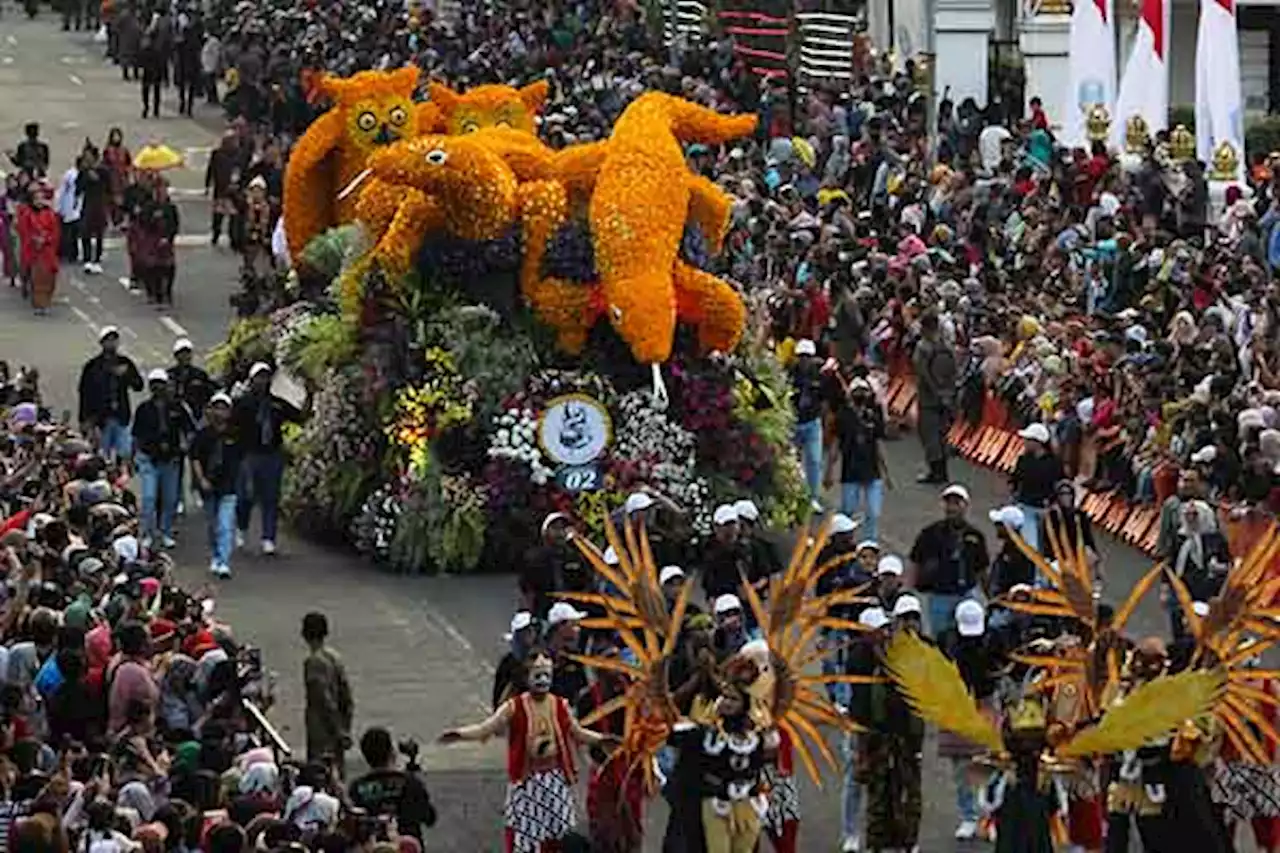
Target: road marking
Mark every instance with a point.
(182, 241)
(129, 332)
(79, 285)
(124, 281)
(7, 60)
(172, 325)
(85, 318)
(74, 79)
(12, 40)
(69, 125)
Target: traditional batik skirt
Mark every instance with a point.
(1247, 791)
(539, 808)
(784, 800)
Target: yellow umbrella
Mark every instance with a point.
(157, 158)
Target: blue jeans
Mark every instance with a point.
(260, 478)
(159, 486)
(808, 438)
(966, 794)
(942, 611)
(1030, 531)
(851, 793)
(867, 498)
(116, 440)
(220, 512)
(833, 663)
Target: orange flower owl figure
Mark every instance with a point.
(370, 109)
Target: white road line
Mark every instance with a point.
(11, 39)
(79, 285)
(183, 241)
(129, 332)
(123, 281)
(172, 325)
(7, 60)
(93, 300)
(75, 79)
(85, 318)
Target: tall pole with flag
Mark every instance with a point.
(1219, 100)
(1144, 88)
(1091, 58)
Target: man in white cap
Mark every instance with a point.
(1010, 566)
(849, 575)
(723, 560)
(860, 429)
(890, 751)
(808, 395)
(731, 626)
(761, 553)
(258, 418)
(563, 638)
(215, 469)
(106, 380)
(863, 659)
(509, 677)
(191, 388)
(949, 559)
(1034, 478)
(159, 431)
(967, 646)
(555, 564)
(889, 572)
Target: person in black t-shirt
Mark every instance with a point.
(950, 559)
(1034, 479)
(388, 791)
(160, 427)
(807, 396)
(215, 466)
(859, 431)
(259, 417)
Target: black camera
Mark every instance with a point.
(409, 749)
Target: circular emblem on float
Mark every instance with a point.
(574, 429)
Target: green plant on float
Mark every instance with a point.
(325, 343)
(330, 253)
(247, 341)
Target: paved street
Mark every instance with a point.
(419, 649)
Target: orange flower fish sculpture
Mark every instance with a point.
(644, 193)
(370, 110)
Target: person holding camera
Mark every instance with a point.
(388, 791)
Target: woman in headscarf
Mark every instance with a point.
(1201, 560)
(119, 165)
(837, 167)
(38, 233)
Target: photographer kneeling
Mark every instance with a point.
(387, 790)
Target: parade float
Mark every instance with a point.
(492, 330)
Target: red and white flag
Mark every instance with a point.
(1219, 100)
(1144, 88)
(1091, 58)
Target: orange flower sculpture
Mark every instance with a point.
(456, 113)
(643, 195)
(370, 110)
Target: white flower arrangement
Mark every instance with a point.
(646, 431)
(516, 439)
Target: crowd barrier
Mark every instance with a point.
(993, 442)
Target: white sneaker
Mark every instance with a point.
(181, 509)
(220, 570)
(851, 844)
(88, 267)
(239, 539)
(268, 547)
(967, 830)
(168, 543)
